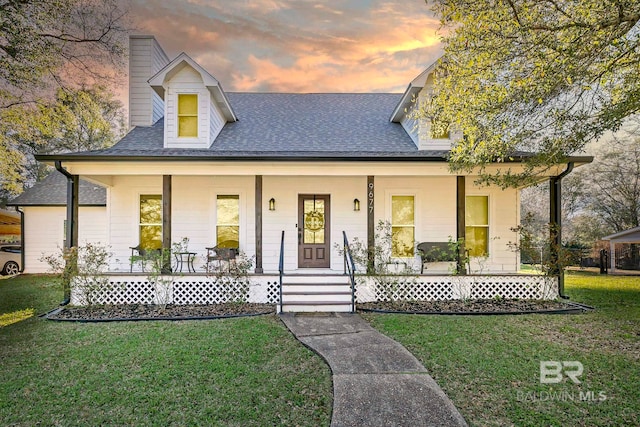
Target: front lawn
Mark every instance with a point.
(237, 372)
(490, 366)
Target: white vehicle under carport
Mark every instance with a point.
(10, 258)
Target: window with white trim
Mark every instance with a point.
(187, 115)
(228, 221)
(477, 225)
(150, 225)
(402, 226)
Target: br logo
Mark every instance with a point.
(552, 371)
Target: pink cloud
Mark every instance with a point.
(296, 46)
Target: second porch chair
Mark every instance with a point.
(141, 255)
(221, 254)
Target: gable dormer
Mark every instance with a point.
(195, 106)
(419, 91)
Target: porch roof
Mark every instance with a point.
(52, 191)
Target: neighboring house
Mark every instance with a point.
(243, 169)
(44, 208)
(624, 249)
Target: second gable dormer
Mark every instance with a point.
(407, 113)
(195, 106)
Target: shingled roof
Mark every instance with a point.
(52, 191)
(287, 126)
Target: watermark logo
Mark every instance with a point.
(552, 371)
(555, 372)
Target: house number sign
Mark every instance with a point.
(370, 196)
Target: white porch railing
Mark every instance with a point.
(200, 289)
(191, 289)
(432, 288)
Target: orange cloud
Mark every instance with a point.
(294, 46)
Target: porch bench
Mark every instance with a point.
(435, 251)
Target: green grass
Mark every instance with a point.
(235, 372)
(490, 366)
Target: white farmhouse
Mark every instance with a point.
(283, 178)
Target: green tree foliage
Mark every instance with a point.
(597, 199)
(541, 76)
(610, 187)
(47, 46)
(76, 120)
(46, 43)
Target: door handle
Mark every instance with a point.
(299, 236)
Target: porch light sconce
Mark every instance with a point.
(272, 204)
(356, 205)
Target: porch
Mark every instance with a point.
(313, 292)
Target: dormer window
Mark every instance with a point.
(443, 134)
(187, 115)
(195, 106)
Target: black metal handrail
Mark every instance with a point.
(350, 268)
(281, 266)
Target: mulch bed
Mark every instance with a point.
(156, 312)
(478, 306)
(212, 311)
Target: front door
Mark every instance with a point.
(313, 231)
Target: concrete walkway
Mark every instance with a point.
(376, 381)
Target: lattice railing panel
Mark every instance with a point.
(510, 287)
(182, 290)
(121, 292)
(269, 292)
(417, 290)
(209, 292)
(434, 288)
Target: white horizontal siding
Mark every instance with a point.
(193, 212)
(424, 138)
(123, 213)
(411, 125)
(285, 191)
(216, 121)
(44, 232)
(504, 215)
(146, 57)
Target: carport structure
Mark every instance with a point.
(631, 236)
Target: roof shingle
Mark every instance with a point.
(288, 125)
(52, 191)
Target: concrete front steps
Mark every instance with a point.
(316, 293)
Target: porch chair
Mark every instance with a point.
(434, 251)
(221, 253)
(141, 255)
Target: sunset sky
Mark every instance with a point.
(297, 45)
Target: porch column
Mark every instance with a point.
(461, 233)
(555, 227)
(258, 210)
(71, 231)
(612, 255)
(555, 221)
(166, 223)
(71, 238)
(371, 223)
